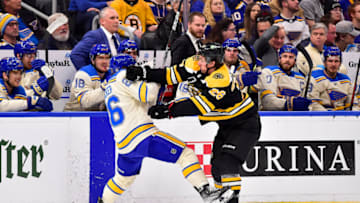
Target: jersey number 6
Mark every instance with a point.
(116, 114)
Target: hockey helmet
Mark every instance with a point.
(332, 51)
(127, 45)
(212, 52)
(99, 49)
(8, 64)
(233, 43)
(287, 48)
(24, 47)
(119, 61)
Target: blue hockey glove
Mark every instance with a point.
(249, 78)
(297, 104)
(159, 111)
(37, 64)
(39, 103)
(41, 85)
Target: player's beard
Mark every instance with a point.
(62, 37)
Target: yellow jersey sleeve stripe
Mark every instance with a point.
(187, 171)
(20, 97)
(168, 76)
(171, 139)
(143, 92)
(202, 104)
(230, 179)
(80, 96)
(218, 185)
(114, 187)
(177, 75)
(265, 92)
(133, 134)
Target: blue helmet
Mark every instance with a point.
(287, 48)
(119, 61)
(231, 43)
(99, 49)
(24, 47)
(8, 64)
(127, 45)
(332, 51)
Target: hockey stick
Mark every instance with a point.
(46, 70)
(308, 59)
(355, 84)
(171, 35)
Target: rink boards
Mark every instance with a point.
(301, 157)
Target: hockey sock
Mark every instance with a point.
(191, 168)
(115, 187)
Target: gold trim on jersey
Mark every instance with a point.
(188, 170)
(265, 93)
(114, 187)
(219, 78)
(80, 96)
(133, 134)
(20, 97)
(202, 103)
(231, 112)
(173, 76)
(171, 139)
(93, 78)
(142, 92)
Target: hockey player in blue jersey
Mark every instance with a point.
(331, 90)
(129, 47)
(137, 137)
(12, 94)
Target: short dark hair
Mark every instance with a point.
(193, 14)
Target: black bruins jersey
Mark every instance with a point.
(218, 99)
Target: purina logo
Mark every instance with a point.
(295, 158)
(27, 160)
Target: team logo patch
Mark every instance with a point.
(218, 76)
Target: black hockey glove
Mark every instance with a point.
(134, 73)
(160, 111)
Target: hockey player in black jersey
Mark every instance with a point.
(216, 97)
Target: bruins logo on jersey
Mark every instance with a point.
(133, 21)
(218, 76)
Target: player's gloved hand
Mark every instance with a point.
(40, 86)
(39, 103)
(159, 111)
(249, 78)
(297, 104)
(37, 64)
(134, 73)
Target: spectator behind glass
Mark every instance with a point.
(198, 6)
(25, 19)
(252, 10)
(160, 8)
(267, 46)
(263, 22)
(223, 30)
(345, 36)
(214, 11)
(275, 9)
(331, 35)
(60, 38)
(333, 11)
(82, 13)
(9, 30)
(354, 12)
(313, 11)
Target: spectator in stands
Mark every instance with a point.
(275, 9)
(282, 88)
(106, 34)
(333, 11)
(252, 10)
(13, 7)
(332, 90)
(238, 16)
(354, 12)
(331, 35)
(313, 11)
(88, 87)
(295, 26)
(263, 22)
(345, 36)
(223, 30)
(60, 37)
(214, 11)
(318, 35)
(33, 79)
(267, 46)
(160, 8)
(198, 6)
(9, 29)
(135, 14)
(12, 94)
(188, 44)
(82, 14)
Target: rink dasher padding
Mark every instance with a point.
(301, 157)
